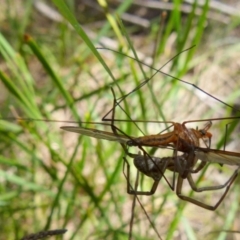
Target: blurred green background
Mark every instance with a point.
(50, 69)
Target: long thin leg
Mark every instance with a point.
(198, 203)
(199, 167)
(130, 189)
(133, 208)
(209, 188)
(134, 192)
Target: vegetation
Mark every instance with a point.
(50, 69)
